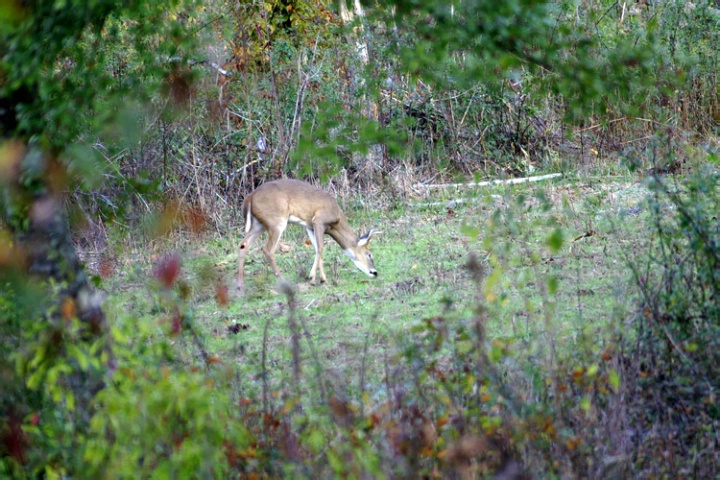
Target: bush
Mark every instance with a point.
(672, 358)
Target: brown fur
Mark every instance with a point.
(272, 205)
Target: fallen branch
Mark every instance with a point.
(510, 181)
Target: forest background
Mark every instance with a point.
(567, 330)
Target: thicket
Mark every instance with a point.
(423, 95)
(122, 109)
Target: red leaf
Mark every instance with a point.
(176, 324)
(168, 270)
(222, 294)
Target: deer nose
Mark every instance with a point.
(373, 273)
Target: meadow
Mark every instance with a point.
(423, 251)
(545, 267)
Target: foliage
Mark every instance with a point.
(114, 106)
(159, 418)
(428, 100)
(672, 358)
(74, 71)
(516, 35)
(72, 75)
(56, 88)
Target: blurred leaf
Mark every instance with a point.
(167, 270)
(316, 441)
(469, 231)
(83, 165)
(614, 380)
(491, 283)
(552, 284)
(555, 240)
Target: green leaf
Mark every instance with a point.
(80, 356)
(555, 240)
(35, 380)
(316, 441)
(492, 281)
(614, 380)
(52, 474)
(38, 358)
(336, 463)
(496, 352)
(469, 231)
(552, 284)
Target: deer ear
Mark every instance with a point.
(365, 239)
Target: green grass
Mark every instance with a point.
(355, 324)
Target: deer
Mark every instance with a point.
(271, 206)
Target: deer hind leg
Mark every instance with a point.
(254, 232)
(274, 235)
(316, 237)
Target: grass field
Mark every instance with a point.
(538, 290)
(511, 328)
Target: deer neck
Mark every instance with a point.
(343, 235)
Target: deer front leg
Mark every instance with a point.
(316, 237)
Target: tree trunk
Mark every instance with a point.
(369, 107)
